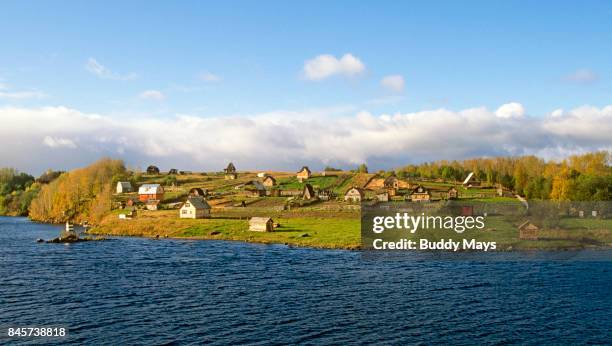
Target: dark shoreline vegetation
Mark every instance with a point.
(87, 195)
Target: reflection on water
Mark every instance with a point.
(141, 291)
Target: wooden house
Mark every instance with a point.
(198, 192)
(148, 192)
(354, 195)
(420, 194)
(452, 193)
(195, 208)
(392, 182)
(124, 187)
(471, 181)
(269, 181)
(528, 231)
(382, 195)
(261, 224)
(308, 192)
(230, 172)
(303, 174)
(152, 170)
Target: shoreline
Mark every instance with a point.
(315, 233)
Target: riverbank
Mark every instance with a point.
(315, 232)
(327, 232)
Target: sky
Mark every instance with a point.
(277, 85)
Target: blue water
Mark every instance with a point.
(141, 291)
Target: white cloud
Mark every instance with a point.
(209, 77)
(152, 95)
(103, 72)
(289, 139)
(582, 76)
(510, 110)
(325, 66)
(58, 142)
(393, 82)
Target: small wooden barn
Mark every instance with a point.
(152, 170)
(261, 224)
(152, 204)
(354, 195)
(124, 187)
(528, 231)
(148, 192)
(452, 193)
(471, 180)
(303, 174)
(308, 192)
(269, 181)
(420, 194)
(254, 188)
(195, 208)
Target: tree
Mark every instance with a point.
(363, 168)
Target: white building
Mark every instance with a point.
(124, 187)
(195, 208)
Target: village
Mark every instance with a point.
(195, 196)
(306, 208)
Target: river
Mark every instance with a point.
(143, 291)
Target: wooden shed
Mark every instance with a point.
(471, 180)
(261, 224)
(528, 231)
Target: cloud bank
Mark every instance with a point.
(325, 66)
(47, 137)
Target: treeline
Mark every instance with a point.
(585, 177)
(17, 190)
(81, 194)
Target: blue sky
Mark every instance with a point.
(205, 59)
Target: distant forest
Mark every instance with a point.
(586, 177)
(85, 193)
